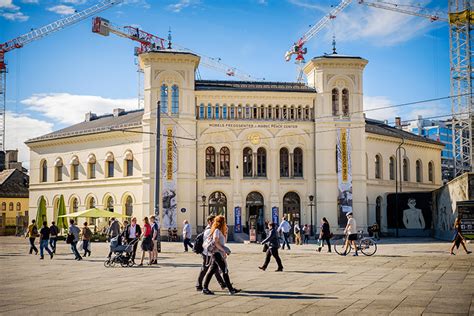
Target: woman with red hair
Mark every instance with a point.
(215, 244)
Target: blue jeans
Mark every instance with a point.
(44, 245)
(85, 245)
(187, 242)
(52, 243)
(285, 241)
(74, 250)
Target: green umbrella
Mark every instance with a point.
(41, 213)
(61, 221)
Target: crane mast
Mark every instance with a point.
(34, 35)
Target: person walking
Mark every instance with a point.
(187, 235)
(147, 244)
(307, 232)
(325, 234)
(297, 233)
(351, 232)
(206, 259)
(273, 243)
(114, 231)
(458, 238)
(220, 252)
(155, 234)
(132, 232)
(74, 231)
(32, 233)
(53, 237)
(86, 234)
(285, 228)
(44, 240)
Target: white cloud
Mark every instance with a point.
(30, 1)
(65, 108)
(182, 4)
(8, 4)
(16, 16)
(62, 9)
(372, 103)
(19, 128)
(139, 3)
(74, 1)
(309, 5)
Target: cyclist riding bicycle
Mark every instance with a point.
(351, 232)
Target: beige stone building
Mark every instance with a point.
(266, 148)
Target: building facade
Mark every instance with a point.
(14, 205)
(252, 151)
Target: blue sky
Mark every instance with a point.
(52, 82)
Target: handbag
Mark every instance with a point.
(265, 247)
(69, 239)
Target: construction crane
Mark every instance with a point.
(298, 48)
(460, 18)
(149, 42)
(36, 34)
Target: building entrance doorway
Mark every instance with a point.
(255, 213)
(378, 210)
(292, 208)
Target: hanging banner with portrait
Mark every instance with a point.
(344, 175)
(169, 173)
(238, 219)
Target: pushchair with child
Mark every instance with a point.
(122, 254)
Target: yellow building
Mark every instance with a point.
(14, 204)
(251, 151)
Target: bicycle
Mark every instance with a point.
(366, 245)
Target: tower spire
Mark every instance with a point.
(334, 44)
(169, 38)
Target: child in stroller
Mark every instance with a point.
(121, 253)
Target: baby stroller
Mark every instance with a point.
(122, 254)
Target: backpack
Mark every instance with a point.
(34, 231)
(87, 233)
(198, 244)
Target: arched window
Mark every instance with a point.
(74, 168)
(128, 163)
(209, 111)
(277, 113)
(210, 162)
(164, 98)
(91, 203)
(232, 112)
(391, 168)
(10, 206)
(285, 113)
(299, 115)
(335, 102)
(254, 112)
(201, 111)
(284, 163)
(247, 162)
(18, 206)
(217, 112)
(430, 172)
(262, 112)
(292, 207)
(298, 162)
(174, 99)
(91, 161)
(224, 111)
(44, 171)
(247, 111)
(269, 112)
(58, 168)
(109, 165)
(378, 167)
(218, 204)
(239, 112)
(224, 162)
(345, 102)
(74, 207)
(292, 113)
(110, 204)
(419, 171)
(129, 206)
(261, 162)
(4, 206)
(406, 169)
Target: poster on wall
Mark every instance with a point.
(169, 168)
(238, 219)
(275, 215)
(344, 175)
(466, 215)
(414, 210)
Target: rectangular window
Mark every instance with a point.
(91, 170)
(217, 112)
(75, 172)
(129, 166)
(59, 173)
(232, 113)
(110, 169)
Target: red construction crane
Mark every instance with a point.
(34, 35)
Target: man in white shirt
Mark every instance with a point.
(351, 232)
(285, 228)
(187, 235)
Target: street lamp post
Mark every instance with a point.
(311, 204)
(203, 199)
(398, 174)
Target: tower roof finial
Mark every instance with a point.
(334, 44)
(169, 38)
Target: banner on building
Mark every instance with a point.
(238, 219)
(275, 215)
(344, 175)
(169, 171)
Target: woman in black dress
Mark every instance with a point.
(458, 239)
(325, 234)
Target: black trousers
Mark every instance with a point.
(328, 241)
(217, 262)
(206, 264)
(32, 245)
(272, 252)
(285, 241)
(135, 246)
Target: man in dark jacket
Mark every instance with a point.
(132, 232)
(114, 231)
(273, 244)
(53, 237)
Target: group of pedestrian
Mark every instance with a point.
(47, 235)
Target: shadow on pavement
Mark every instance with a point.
(313, 272)
(284, 295)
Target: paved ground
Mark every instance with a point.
(404, 277)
